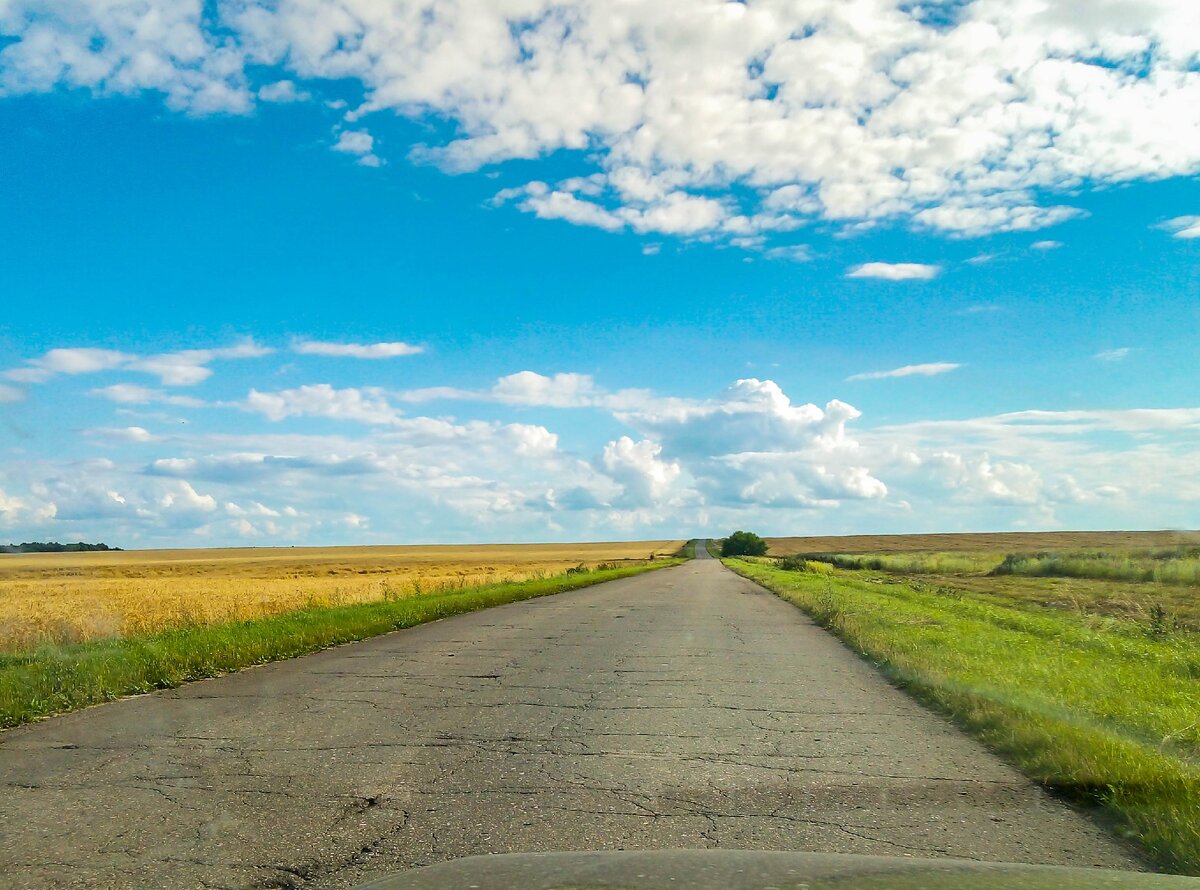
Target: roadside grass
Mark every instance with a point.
(55, 679)
(1173, 565)
(1152, 586)
(1105, 712)
(713, 546)
(688, 550)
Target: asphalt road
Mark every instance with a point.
(683, 708)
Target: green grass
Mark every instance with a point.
(1176, 565)
(713, 546)
(54, 680)
(914, 563)
(688, 550)
(1163, 567)
(1105, 711)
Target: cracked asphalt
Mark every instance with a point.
(682, 708)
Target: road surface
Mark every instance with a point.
(682, 708)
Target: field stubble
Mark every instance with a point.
(66, 598)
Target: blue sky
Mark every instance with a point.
(276, 275)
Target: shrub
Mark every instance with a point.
(744, 544)
(800, 563)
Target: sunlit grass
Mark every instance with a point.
(1175, 565)
(1104, 710)
(78, 597)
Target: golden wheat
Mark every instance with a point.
(73, 597)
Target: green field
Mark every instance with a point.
(1088, 684)
(53, 679)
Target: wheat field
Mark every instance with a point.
(56, 598)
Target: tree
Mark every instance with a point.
(744, 544)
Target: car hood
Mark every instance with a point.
(754, 870)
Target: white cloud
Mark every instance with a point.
(529, 388)
(644, 477)
(980, 309)
(124, 434)
(930, 369)
(184, 368)
(361, 143)
(10, 393)
(1182, 226)
(698, 117)
(10, 509)
(748, 457)
(982, 478)
(190, 366)
(282, 91)
(1113, 355)
(1046, 245)
(131, 394)
(367, 405)
(356, 350)
(560, 391)
(894, 271)
(68, 361)
(183, 498)
(797, 253)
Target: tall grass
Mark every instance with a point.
(1177, 566)
(1163, 567)
(55, 679)
(912, 563)
(1107, 713)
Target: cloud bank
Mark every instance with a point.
(695, 118)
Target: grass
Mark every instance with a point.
(1140, 585)
(51, 598)
(989, 542)
(1170, 566)
(1102, 709)
(56, 679)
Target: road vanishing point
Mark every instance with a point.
(685, 707)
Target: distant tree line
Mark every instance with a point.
(53, 547)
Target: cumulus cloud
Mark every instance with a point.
(356, 350)
(984, 479)
(748, 456)
(894, 271)
(960, 118)
(360, 143)
(1182, 226)
(637, 466)
(930, 369)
